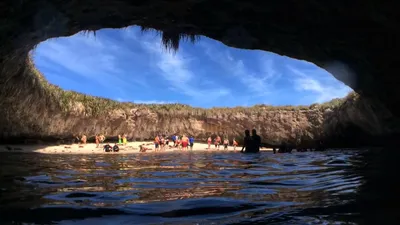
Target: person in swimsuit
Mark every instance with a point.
(84, 139)
(142, 148)
(234, 144)
(185, 142)
(97, 138)
(162, 143)
(156, 143)
(218, 142)
(209, 142)
(226, 143)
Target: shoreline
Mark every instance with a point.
(90, 148)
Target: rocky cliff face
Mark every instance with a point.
(37, 110)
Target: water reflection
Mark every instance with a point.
(186, 188)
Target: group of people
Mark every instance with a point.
(251, 144)
(107, 148)
(100, 138)
(122, 139)
(217, 143)
(183, 143)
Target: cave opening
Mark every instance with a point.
(91, 82)
(132, 65)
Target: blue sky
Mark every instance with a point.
(128, 65)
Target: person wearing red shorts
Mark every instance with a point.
(185, 142)
(209, 142)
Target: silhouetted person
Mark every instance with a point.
(320, 146)
(247, 142)
(282, 148)
(256, 139)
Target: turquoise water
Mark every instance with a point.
(184, 188)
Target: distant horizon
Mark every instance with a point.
(130, 66)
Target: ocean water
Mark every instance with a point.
(332, 187)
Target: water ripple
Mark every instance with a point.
(186, 188)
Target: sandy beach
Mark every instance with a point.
(90, 148)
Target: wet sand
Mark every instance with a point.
(130, 148)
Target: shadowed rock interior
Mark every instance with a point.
(356, 41)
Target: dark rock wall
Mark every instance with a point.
(356, 41)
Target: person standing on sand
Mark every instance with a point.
(102, 138)
(156, 143)
(191, 142)
(179, 143)
(97, 138)
(226, 143)
(218, 142)
(185, 142)
(174, 139)
(162, 143)
(119, 139)
(209, 142)
(124, 139)
(84, 139)
(246, 141)
(235, 144)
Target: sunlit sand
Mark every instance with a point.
(130, 148)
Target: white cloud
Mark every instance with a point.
(258, 84)
(175, 68)
(88, 56)
(322, 85)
